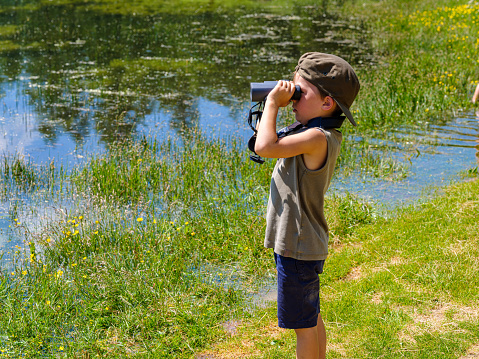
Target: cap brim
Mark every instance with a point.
(346, 112)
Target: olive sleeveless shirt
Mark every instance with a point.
(295, 223)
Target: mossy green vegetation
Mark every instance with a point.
(8, 30)
(8, 45)
(148, 7)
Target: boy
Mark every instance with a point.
(476, 94)
(296, 227)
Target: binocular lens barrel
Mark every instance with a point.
(259, 90)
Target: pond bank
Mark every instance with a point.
(102, 280)
(404, 287)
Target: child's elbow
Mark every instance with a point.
(258, 149)
(267, 153)
(262, 149)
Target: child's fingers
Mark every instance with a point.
(286, 86)
(282, 93)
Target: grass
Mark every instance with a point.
(404, 287)
(425, 69)
(432, 45)
(143, 277)
(19, 175)
(162, 254)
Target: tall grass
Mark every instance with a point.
(424, 70)
(167, 244)
(428, 66)
(20, 175)
(180, 174)
(169, 249)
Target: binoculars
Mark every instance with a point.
(259, 90)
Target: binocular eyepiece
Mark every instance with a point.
(259, 90)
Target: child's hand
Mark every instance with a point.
(281, 94)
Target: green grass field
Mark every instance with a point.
(175, 277)
(399, 288)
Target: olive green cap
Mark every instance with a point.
(333, 75)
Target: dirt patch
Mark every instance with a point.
(337, 348)
(244, 347)
(443, 318)
(377, 298)
(397, 260)
(461, 247)
(337, 246)
(467, 313)
(392, 262)
(467, 209)
(231, 326)
(354, 274)
(406, 338)
(472, 352)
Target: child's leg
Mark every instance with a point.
(307, 343)
(298, 304)
(311, 342)
(475, 97)
(321, 337)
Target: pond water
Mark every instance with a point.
(441, 152)
(74, 79)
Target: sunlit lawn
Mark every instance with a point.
(163, 256)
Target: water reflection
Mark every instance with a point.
(88, 73)
(74, 78)
(439, 153)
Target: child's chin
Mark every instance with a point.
(298, 118)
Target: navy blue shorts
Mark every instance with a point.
(298, 292)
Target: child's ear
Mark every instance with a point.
(328, 103)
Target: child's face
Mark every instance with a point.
(310, 104)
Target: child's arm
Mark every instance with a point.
(476, 94)
(310, 143)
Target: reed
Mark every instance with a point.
(169, 248)
(20, 176)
